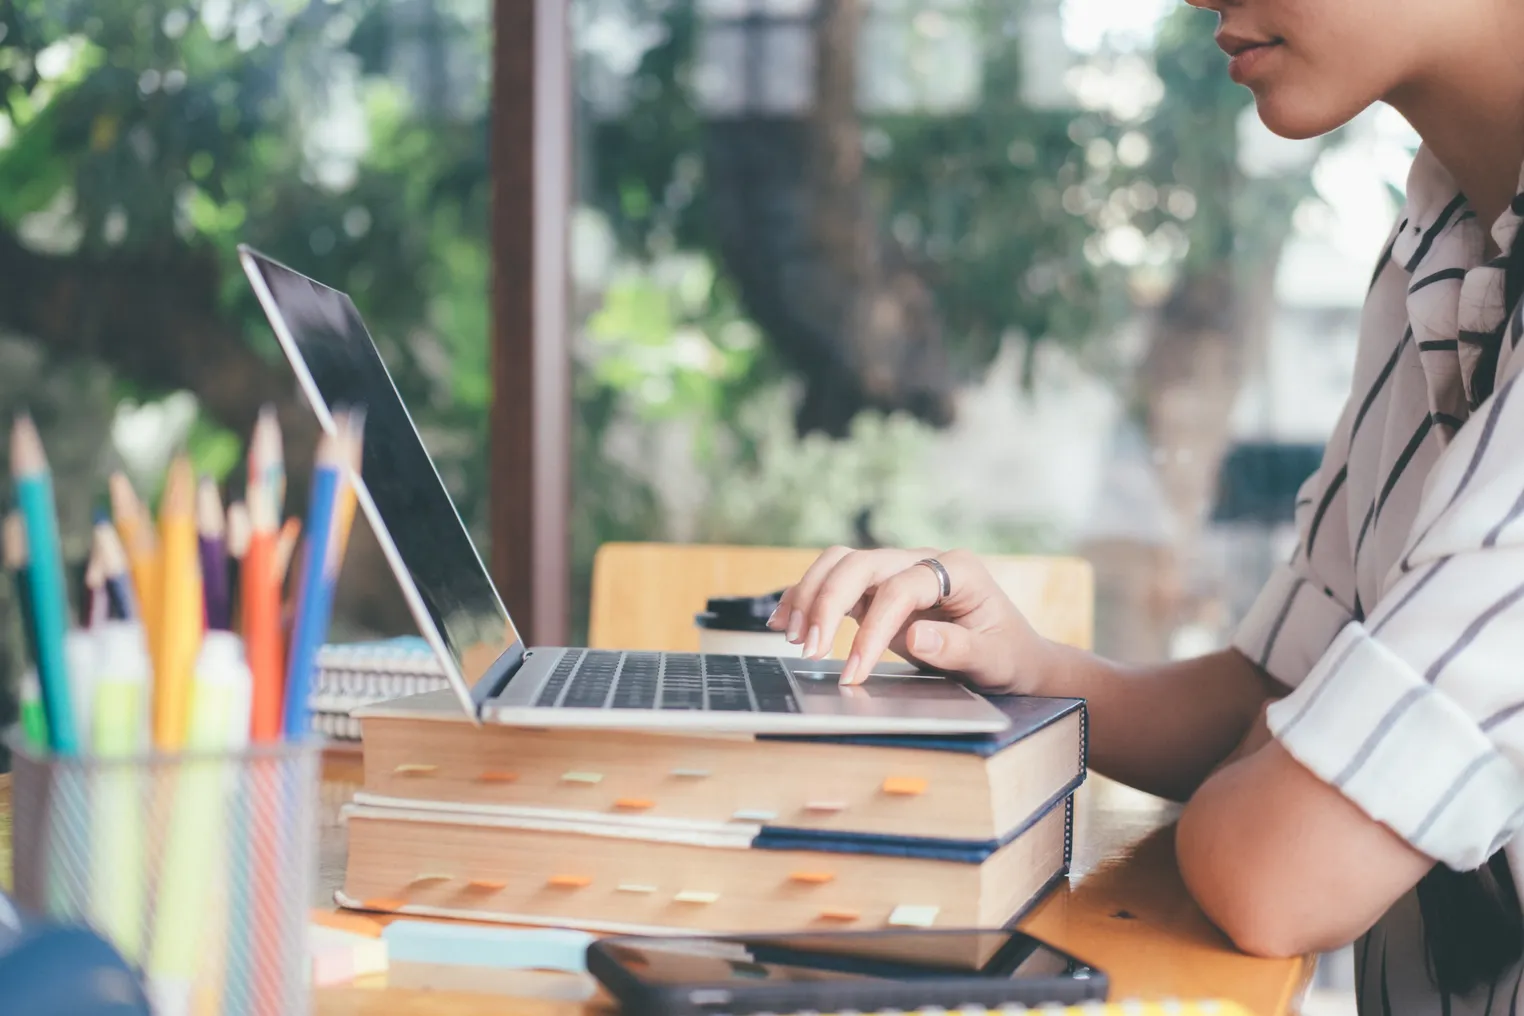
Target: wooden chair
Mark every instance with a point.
(645, 595)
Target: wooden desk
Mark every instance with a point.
(1125, 910)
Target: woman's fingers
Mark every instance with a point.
(845, 585)
(896, 600)
(790, 615)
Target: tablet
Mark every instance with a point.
(839, 971)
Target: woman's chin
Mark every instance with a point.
(1297, 121)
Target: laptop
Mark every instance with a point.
(495, 678)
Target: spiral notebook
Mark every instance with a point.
(362, 673)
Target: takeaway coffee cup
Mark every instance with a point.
(738, 625)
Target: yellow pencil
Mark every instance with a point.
(181, 612)
(136, 531)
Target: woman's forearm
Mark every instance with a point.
(1162, 729)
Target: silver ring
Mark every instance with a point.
(944, 580)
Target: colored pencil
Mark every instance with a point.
(187, 913)
(261, 593)
(16, 556)
(238, 549)
(211, 532)
(272, 459)
(34, 496)
(285, 548)
(181, 610)
(314, 593)
(135, 528)
(34, 723)
(347, 500)
(262, 635)
(121, 601)
(119, 730)
(93, 610)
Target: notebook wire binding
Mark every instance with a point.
(353, 675)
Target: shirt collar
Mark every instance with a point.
(1435, 206)
(1435, 199)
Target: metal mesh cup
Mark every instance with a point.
(197, 867)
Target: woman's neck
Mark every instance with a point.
(1472, 119)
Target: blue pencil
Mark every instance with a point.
(34, 499)
(314, 593)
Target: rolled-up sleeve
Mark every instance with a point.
(1292, 622)
(1416, 713)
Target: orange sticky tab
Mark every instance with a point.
(570, 881)
(905, 786)
(385, 906)
(352, 923)
(493, 776)
(634, 803)
(415, 769)
(838, 914)
(812, 877)
(487, 884)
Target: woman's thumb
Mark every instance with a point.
(953, 649)
(942, 645)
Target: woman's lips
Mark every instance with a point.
(1246, 60)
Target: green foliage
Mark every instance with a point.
(348, 139)
(166, 125)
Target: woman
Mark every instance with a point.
(1352, 765)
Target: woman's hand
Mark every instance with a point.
(976, 632)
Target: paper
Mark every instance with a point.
(908, 916)
(695, 896)
(475, 946)
(753, 815)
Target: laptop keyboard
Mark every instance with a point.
(600, 679)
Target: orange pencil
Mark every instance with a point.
(344, 516)
(182, 614)
(261, 590)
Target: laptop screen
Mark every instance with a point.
(401, 492)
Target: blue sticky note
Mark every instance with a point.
(476, 946)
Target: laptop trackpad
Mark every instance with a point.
(899, 686)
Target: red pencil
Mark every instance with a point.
(261, 590)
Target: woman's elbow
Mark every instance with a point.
(1240, 908)
(1249, 903)
(1260, 931)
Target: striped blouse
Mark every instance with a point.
(1398, 623)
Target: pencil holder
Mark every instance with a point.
(199, 868)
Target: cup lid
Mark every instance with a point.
(738, 613)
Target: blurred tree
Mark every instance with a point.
(887, 253)
(1183, 177)
(140, 142)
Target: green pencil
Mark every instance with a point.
(33, 723)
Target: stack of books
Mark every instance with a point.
(634, 832)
